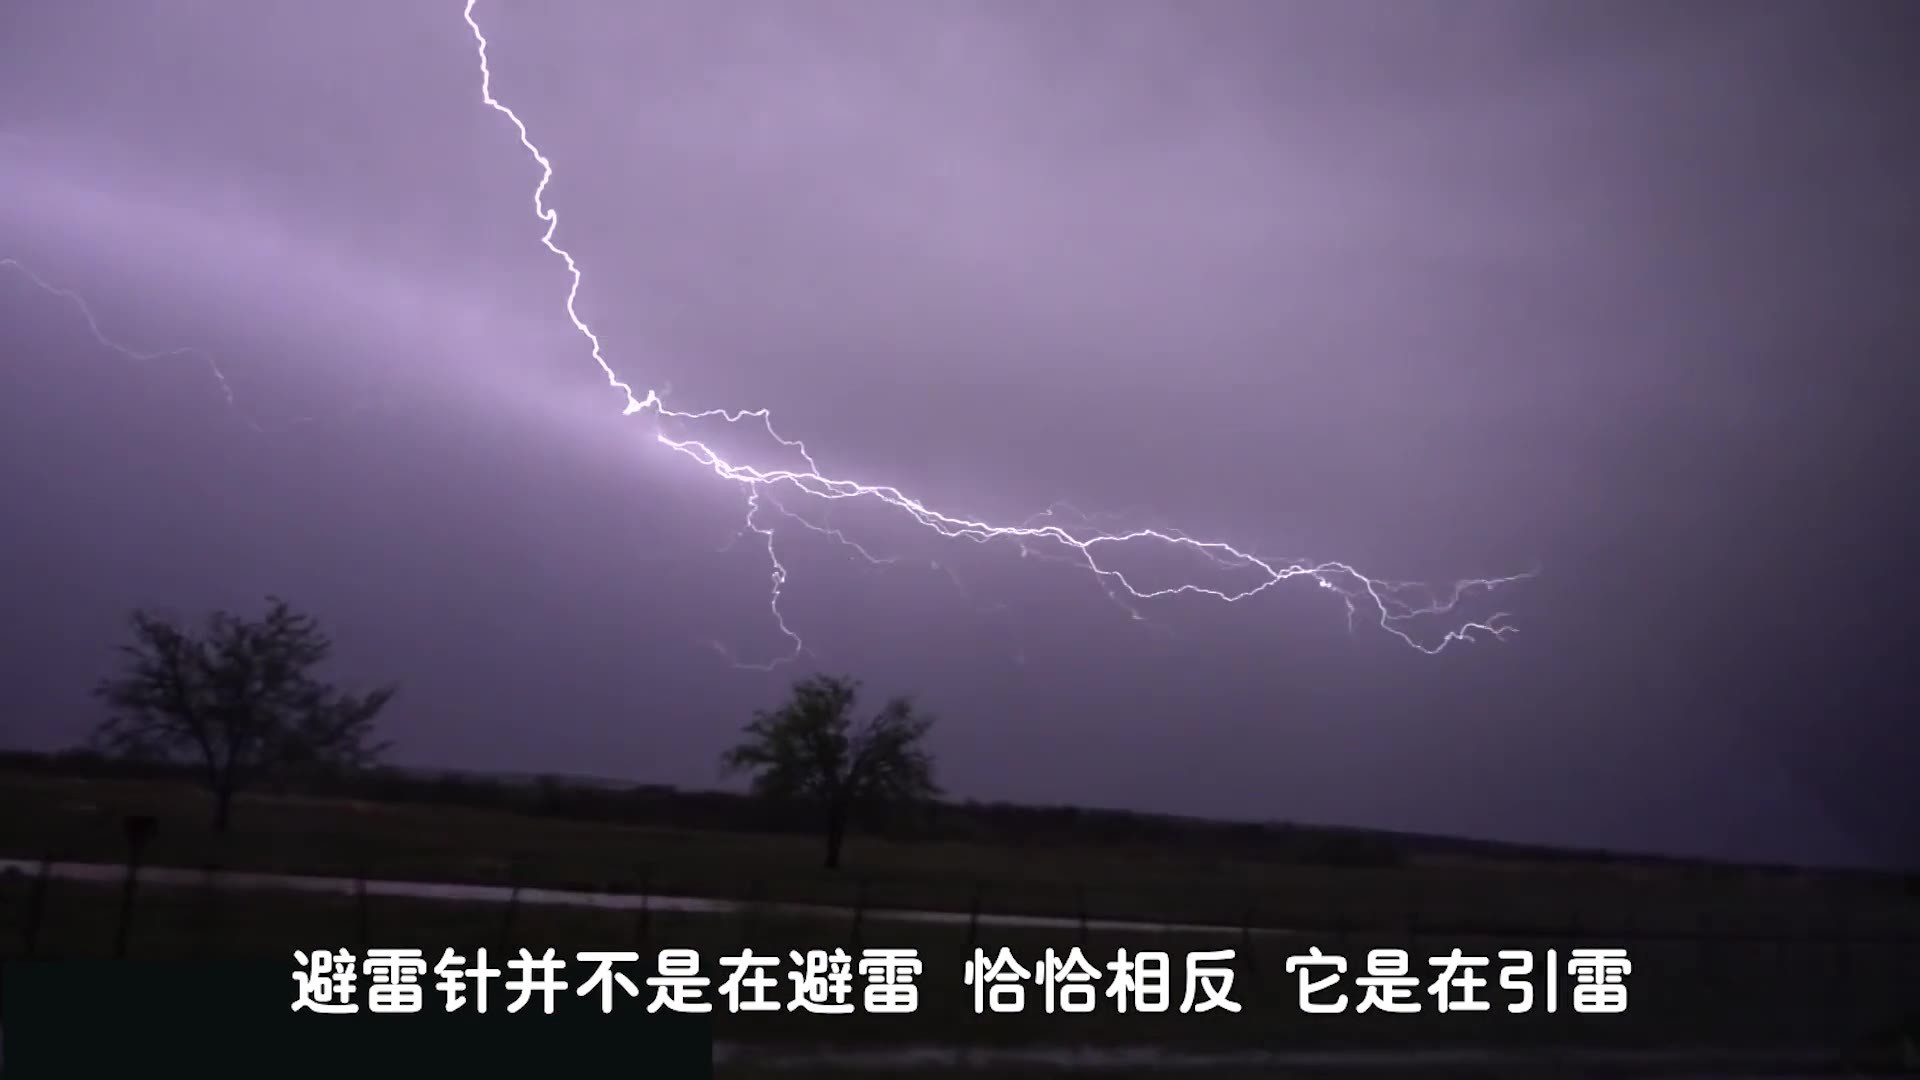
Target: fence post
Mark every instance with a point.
(750, 917)
(209, 904)
(361, 915)
(1081, 898)
(1246, 945)
(513, 906)
(1576, 932)
(859, 912)
(139, 830)
(123, 930)
(1704, 952)
(1843, 931)
(37, 905)
(645, 928)
(973, 920)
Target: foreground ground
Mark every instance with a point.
(1717, 960)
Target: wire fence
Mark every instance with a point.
(1820, 974)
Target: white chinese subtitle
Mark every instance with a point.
(833, 981)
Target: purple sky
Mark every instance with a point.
(1442, 290)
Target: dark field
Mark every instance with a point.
(1718, 961)
(81, 820)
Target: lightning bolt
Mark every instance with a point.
(100, 335)
(1392, 605)
(112, 344)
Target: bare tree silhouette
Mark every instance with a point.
(239, 698)
(810, 749)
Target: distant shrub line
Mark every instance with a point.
(663, 806)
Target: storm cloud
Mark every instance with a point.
(1444, 290)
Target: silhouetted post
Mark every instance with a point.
(513, 905)
(1844, 923)
(859, 912)
(645, 927)
(1843, 931)
(1246, 947)
(1574, 936)
(1337, 923)
(973, 920)
(1778, 935)
(1082, 899)
(1704, 953)
(209, 902)
(139, 829)
(750, 917)
(365, 922)
(37, 906)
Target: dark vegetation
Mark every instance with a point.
(661, 806)
(237, 699)
(949, 821)
(810, 751)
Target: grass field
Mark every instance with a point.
(79, 819)
(1745, 972)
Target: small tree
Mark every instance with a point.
(810, 749)
(239, 699)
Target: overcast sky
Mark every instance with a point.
(1616, 291)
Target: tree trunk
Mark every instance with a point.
(836, 834)
(222, 807)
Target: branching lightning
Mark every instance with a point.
(1393, 605)
(99, 335)
(105, 341)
